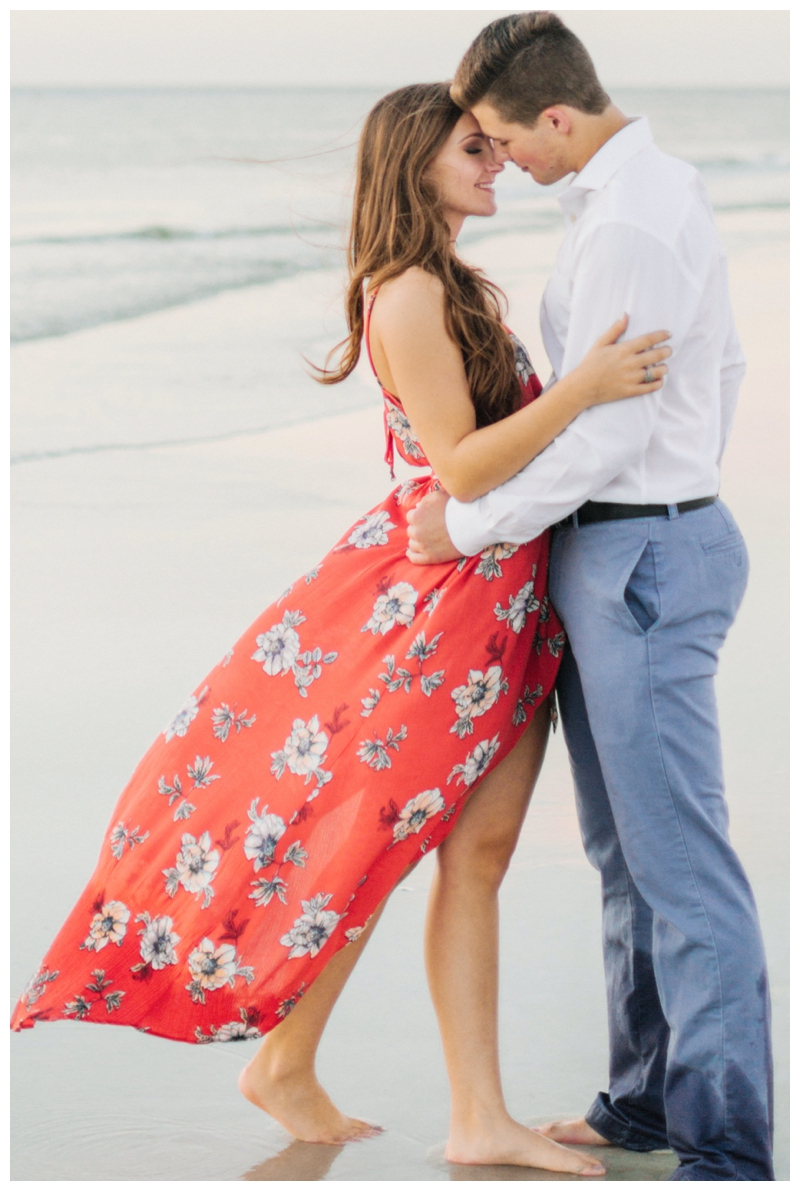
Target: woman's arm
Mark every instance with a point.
(419, 362)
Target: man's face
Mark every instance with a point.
(540, 150)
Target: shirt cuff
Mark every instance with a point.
(464, 527)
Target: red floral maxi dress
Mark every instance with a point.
(330, 748)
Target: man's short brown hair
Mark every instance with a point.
(525, 63)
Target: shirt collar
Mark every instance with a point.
(600, 169)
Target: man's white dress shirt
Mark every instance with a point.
(640, 240)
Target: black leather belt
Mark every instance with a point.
(600, 510)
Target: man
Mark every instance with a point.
(647, 572)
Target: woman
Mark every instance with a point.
(373, 712)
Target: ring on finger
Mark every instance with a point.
(648, 376)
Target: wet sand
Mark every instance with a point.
(136, 569)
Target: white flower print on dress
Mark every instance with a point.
(286, 1007)
(37, 986)
(422, 651)
(480, 692)
(432, 600)
(195, 868)
(490, 559)
(375, 752)
(79, 1008)
(528, 698)
(267, 888)
(519, 606)
(400, 426)
(279, 651)
(372, 530)
(233, 1031)
(260, 847)
(395, 678)
(183, 810)
(303, 752)
(120, 836)
(296, 854)
(405, 489)
(308, 668)
(111, 999)
(82, 1005)
(476, 764)
(201, 774)
(370, 702)
(212, 967)
(173, 791)
(225, 718)
(157, 947)
(278, 648)
(109, 925)
(179, 724)
(313, 928)
(416, 813)
(522, 361)
(556, 643)
(262, 838)
(397, 605)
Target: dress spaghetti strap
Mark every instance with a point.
(367, 320)
(389, 438)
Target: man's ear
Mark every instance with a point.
(559, 118)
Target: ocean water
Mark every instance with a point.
(130, 201)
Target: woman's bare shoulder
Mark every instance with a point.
(414, 294)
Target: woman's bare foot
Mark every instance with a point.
(299, 1103)
(572, 1133)
(508, 1143)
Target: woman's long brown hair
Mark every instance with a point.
(398, 222)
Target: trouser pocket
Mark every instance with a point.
(641, 591)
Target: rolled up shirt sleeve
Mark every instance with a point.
(622, 269)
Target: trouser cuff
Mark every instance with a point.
(607, 1120)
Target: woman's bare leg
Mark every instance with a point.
(461, 952)
(282, 1080)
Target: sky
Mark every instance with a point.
(261, 47)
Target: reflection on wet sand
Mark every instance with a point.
(509, 1174)
(304, 1161)
(621, 1166)
(301, 1161)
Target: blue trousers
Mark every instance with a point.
(646, 605)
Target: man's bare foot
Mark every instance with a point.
(572, 1133)
(508, 1143)
(303, 1107)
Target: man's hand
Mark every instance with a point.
(428, 539)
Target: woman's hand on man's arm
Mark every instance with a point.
(428, 539)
